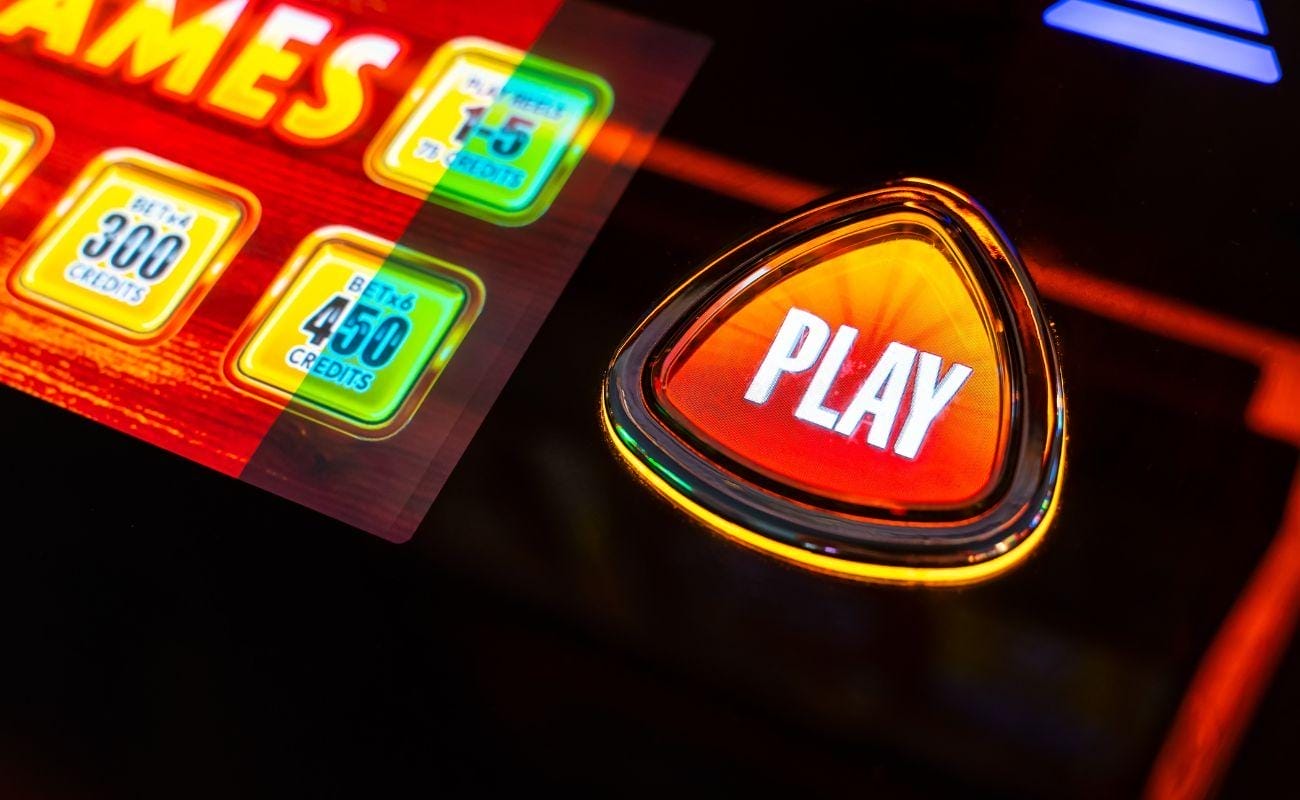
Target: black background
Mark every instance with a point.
(172, 633)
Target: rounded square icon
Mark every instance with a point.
(134, 246)
(490, 131)
(25, 138)
(355, 331)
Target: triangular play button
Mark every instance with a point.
(869, 388)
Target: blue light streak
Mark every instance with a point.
(1244, 15)
(1165, 37)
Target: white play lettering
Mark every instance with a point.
(929, 397)
(798, 345)
(795, 348)
(880, 396)
(811, 408)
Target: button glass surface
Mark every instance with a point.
(860, 367)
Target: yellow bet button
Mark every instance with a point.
(25, 138)
(490, 131)
(355, 331)
(136, 244)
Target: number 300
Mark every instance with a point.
(139, 248)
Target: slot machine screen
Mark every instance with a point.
(402, 397)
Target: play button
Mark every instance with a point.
(868, 388)
(860, 367)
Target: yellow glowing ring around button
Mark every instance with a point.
(880, 573)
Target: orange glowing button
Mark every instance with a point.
(860, 367)
(839, 391)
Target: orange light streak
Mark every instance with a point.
(705, 169)
(1234, 672)
(1273, 406)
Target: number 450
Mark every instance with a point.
(362, 330)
